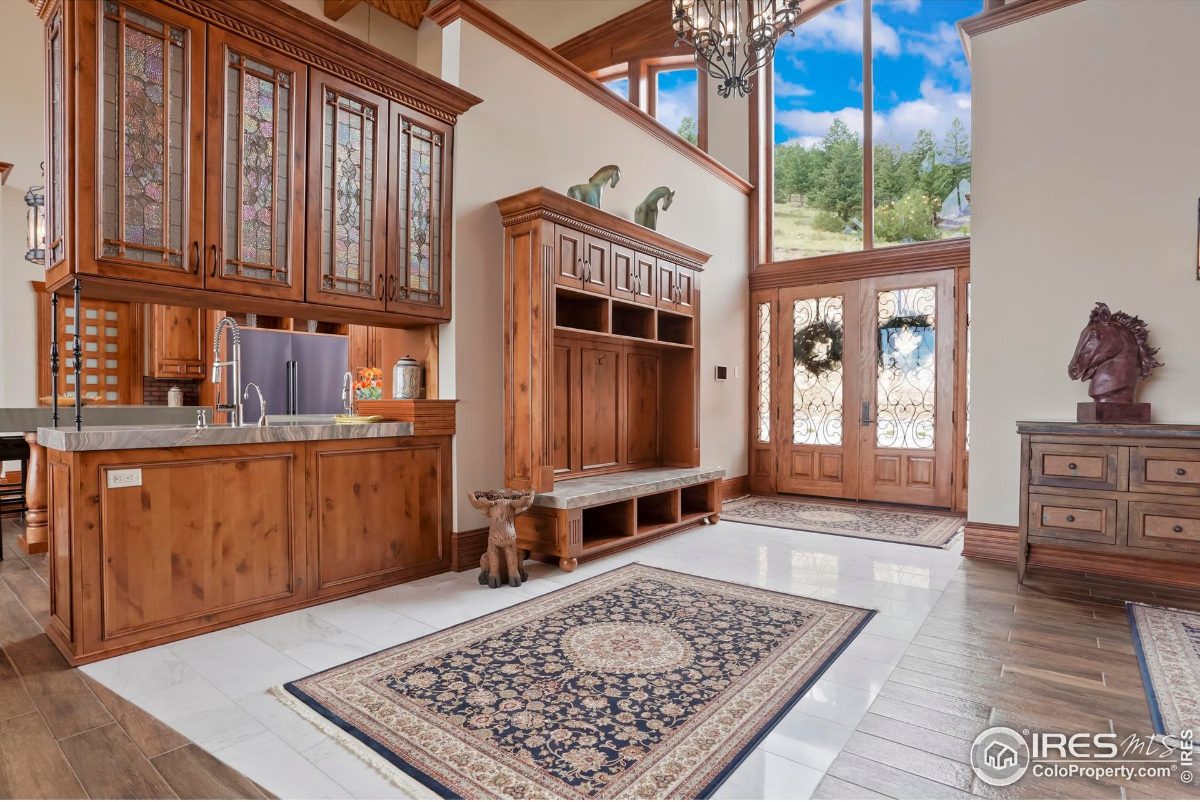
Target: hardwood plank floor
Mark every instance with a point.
(1055, 655)
(65, 736)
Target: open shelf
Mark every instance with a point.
(580, 311)
(607, 523)
(631, 320)
(674, 328)
(698, 500)
(657, 510)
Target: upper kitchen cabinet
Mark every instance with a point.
(255, 179)
(145, 102)
(262, 162)
(347, 195)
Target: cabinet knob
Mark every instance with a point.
(1072, 466)
(1071, 519)
(1176, 528)
(1180, 472)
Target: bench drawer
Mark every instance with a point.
(1072, 465)
(1165, 470)
(1164, 527)
(1071, 518)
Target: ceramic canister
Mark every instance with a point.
(406, 378)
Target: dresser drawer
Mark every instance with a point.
(1070, 518)
(1164, 527)
(1165, 470)
(1072, 465)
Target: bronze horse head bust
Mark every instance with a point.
(1113, 354)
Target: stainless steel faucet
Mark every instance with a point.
(235, 361)
(348, 392)
(262, 404)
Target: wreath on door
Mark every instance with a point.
(818, 347)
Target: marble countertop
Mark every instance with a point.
(282, 429)
(592, 490)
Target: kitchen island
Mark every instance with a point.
(163, 532)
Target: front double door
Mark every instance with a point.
(866, 389)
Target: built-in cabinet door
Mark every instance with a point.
(597, 264)
(257, 112)
(347, 194)
(568, 267)
(685, 290)
(624, 273)
(645, 270)
(145, 216)
(175, 342)
(600, 398)
(642, 372)
(564, 446)
(418, 225)
(664, 290)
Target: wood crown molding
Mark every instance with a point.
(319, 44)
(548, 204)
(893, 260)
(641, 32)
(1011, 12)
(5, 170)
(448, 11)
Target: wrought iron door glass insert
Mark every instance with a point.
(906, 368)
(817, 397)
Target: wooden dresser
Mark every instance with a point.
(1124, 499)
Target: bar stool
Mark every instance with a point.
(14, 447)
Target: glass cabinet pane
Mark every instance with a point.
(144, 63)
(348, 154)
(257, 187)
(906, 368)
(817, 337)
(420, 205)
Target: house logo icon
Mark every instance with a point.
(1000, 756)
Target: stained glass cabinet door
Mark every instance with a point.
(147, 212)
(347, 194)
(418, 223)
(255, 221)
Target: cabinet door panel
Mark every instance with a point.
(255, 143)
(624, 273)
(599, 394)
(347, 194)
(564, 447)
(176, 342)
(568, 268)
(685, 290)
(664, 291)
(641, 408)
(418, 226)
(145, 213)
(645, 271)
(597, 260)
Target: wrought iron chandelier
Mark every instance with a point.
(731, 42)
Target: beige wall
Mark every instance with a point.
(553, 22)
(533, 129)
(369, 24)
(1085, 184)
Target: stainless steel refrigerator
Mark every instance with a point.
(298, 373)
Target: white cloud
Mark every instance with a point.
(673, 105)
(939, 46)
(841, 29)
(935, 109)
(905, 6)
(786, 88)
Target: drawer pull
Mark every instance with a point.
(1181, 472)
(1176, 528)
(1070, 519)
(1072, 466)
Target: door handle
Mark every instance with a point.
(391, 282)
(587, 274)
(196, 257)
(579, 270)
(382, 284)
(866, 418)
(215, 259)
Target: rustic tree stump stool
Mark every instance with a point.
(501, 563)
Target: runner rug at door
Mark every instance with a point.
(873, 523)
(1168, 649)
(638, 683)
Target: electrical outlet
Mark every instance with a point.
(125, 477)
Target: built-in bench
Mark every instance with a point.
(585, 518)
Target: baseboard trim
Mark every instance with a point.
(735, 487)
(466, 548)
(990, 542)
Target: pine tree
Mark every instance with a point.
(687, 129)
(840, 187)
(956, 150)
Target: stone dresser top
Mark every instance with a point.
(118, 438)
(592, 490)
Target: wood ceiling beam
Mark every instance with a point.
(409, 12)
(336, 9)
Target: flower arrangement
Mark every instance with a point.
(369, 386)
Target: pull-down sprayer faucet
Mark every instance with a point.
(235, 393)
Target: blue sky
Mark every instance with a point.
(921, 75)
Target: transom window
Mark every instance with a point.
(670, 89)
(871, 142)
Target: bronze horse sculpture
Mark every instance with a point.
(589, 193)
(1113, 354)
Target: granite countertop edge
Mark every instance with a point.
(567, 498)
(121, 438)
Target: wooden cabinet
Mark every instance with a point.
(624, 273)
(227, 171)
(1118, 499)
(257, 117)
(176, 346)
(644, 275)
(569, 270)
(643, 371)
(599, 407)
(676, 288)
(597, 264)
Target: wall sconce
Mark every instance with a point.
(35, 199)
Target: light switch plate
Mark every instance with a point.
(722, 373)
(125, 477)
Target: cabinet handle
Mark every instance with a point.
(1071, 466)
(212, 249)
(1180, 472)
(391, 282)
(382, 284)
(1176, 528)
(196, 257)
(579, 268)
(1070, 519)
(587, 274)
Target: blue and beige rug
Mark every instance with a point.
(1168, 649)
(851, 520)
(638, 683)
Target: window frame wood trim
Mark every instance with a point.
(649, 72)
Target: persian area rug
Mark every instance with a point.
(872, 523)
(638, 683)
(1168, 649)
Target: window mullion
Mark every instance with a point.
(868, 101)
